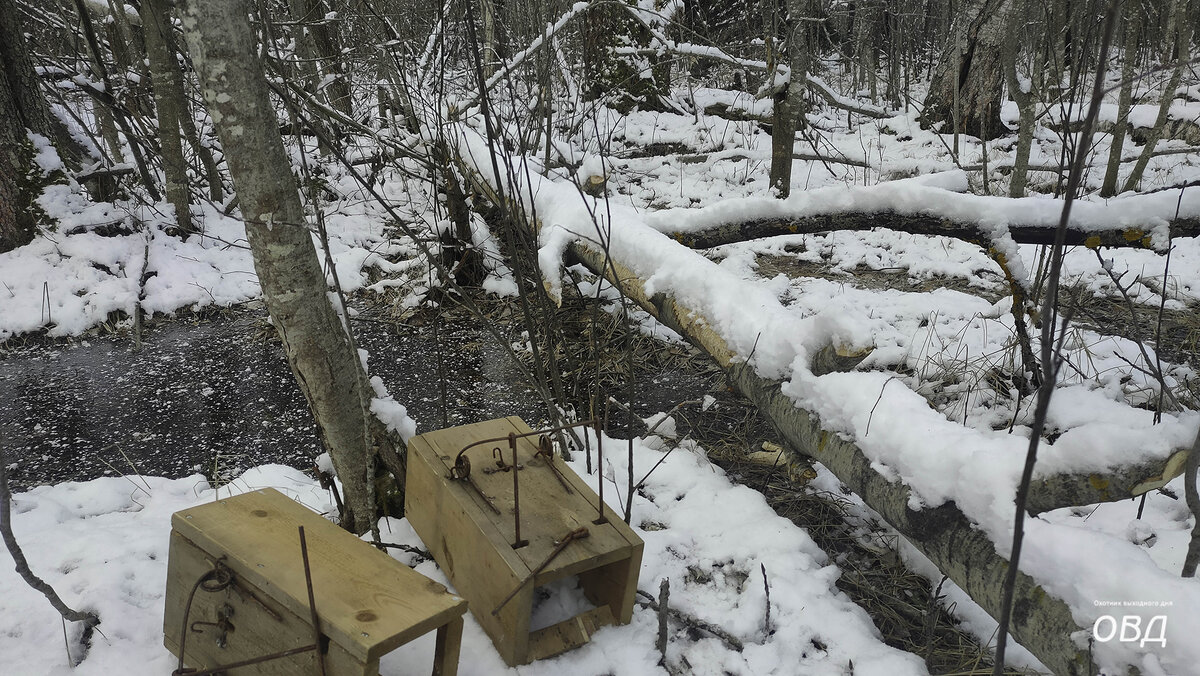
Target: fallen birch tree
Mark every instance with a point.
(1141, 221)
(944, 534)
(924, 224)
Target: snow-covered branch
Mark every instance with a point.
(915, 207)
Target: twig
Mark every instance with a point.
(22, 565)
(1152, 365)
(631, 487)
(877, 400)
(312, 604)
(767, 589)
(131, 466)
(931, 620)
(664, 595)
(728, 639)
(415, 551)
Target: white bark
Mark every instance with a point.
(316, 344)
(1132, 28)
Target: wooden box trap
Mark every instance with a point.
(499, 533)
(261, 576)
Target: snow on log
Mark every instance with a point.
(1041, 622)
(956, 527)
(935, 205)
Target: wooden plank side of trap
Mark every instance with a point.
(451, 518)
(548, 512)
(451, 525)
(368, 603)
(262, 625)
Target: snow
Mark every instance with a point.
(1140, 115)
(103, 545)
(940, 460)
(75, 277)
(939, 427)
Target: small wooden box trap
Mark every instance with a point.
(240, 588)
(499, 532)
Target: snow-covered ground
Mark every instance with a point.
(778, 324)
(941, 428)
(103, 545)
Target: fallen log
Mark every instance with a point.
(1041, 622)
(739, 155)
(935, 204)
(923, 224)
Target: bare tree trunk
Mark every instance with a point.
(26, 92)
(967, 81)
(18, 223)
(127, 44)
(610, 76)
(325, 44)
(212, 174)
(101, 71)
(169, 109)
(316, 342)
(1022, 94)
(1183, 39)
(1132, 28)
(789, 103)
(23, 108)
(491, 40)
(108, 131)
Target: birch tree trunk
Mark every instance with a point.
(789, 104)
(316, 343)
(1022, 93)
(493, 35)
(203, 151)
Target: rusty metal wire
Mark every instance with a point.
(221, 578)
(461, 471)
(458, 459)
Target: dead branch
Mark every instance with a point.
(10, 541)
(925, 224)
(701, 158)
(733, 642)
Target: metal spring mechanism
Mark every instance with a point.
(461, 470)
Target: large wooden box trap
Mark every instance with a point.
(237, 578)
(498, 533)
